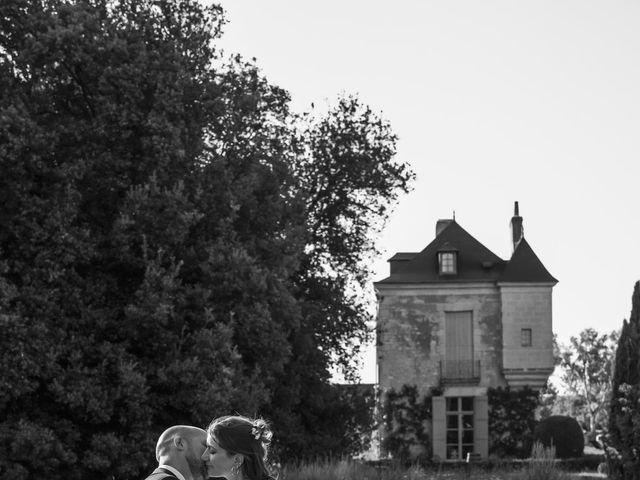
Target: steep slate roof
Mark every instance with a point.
(423, 266)
(525, 266)
(476, 263)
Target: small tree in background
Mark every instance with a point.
(547, 400)
(587, 364)
(624, 419)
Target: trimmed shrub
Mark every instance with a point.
(562, 432)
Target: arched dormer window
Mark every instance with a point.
(448, 260)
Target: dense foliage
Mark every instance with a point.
(561, 432)
(406, 414)
(511, 421)
(175, 244)
(624, 419)
(347, 420)
(586, 365)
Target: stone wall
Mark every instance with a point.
(411, 335)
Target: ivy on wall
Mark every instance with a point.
(406, 415)
(511, 421)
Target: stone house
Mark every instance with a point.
(457, 317)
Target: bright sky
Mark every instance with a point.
(494, 101)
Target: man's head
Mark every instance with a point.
(181, 447)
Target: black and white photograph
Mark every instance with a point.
(340, 240)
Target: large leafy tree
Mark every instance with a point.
(175, 244)
(624, 420)
(586, 372)
(344, 164)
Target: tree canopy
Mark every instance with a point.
(175, 242)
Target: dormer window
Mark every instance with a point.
(448, 263)
(448, 260)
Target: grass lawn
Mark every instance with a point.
(353, 470)
(541, 467)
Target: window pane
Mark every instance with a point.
(452, 421)
(467, 404)
(452, 437)
(467, 421)
(452, 404)
(452, 452)
(467, 436)
(466, 449)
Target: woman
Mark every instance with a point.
(237, 448)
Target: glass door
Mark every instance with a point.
(459, 411)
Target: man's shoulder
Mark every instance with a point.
(160, 474)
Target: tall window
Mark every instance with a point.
(525, 337)
(459, 427)
(447, 261)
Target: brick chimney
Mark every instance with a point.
(517, 231)
(442, 224)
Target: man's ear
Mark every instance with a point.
(238, 459)
(179, 442)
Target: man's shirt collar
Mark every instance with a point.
(172, 470)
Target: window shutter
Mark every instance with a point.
(439, 428)
(459, 336)
(481, 426)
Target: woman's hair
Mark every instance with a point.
(248, 437)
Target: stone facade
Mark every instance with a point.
(411, 332)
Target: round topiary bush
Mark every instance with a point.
(564, 433)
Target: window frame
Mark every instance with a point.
(448, 260)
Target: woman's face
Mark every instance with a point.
(218, 461)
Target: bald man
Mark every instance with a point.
(178, 452)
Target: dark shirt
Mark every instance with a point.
(161, 474)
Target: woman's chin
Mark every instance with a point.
(210, 472)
